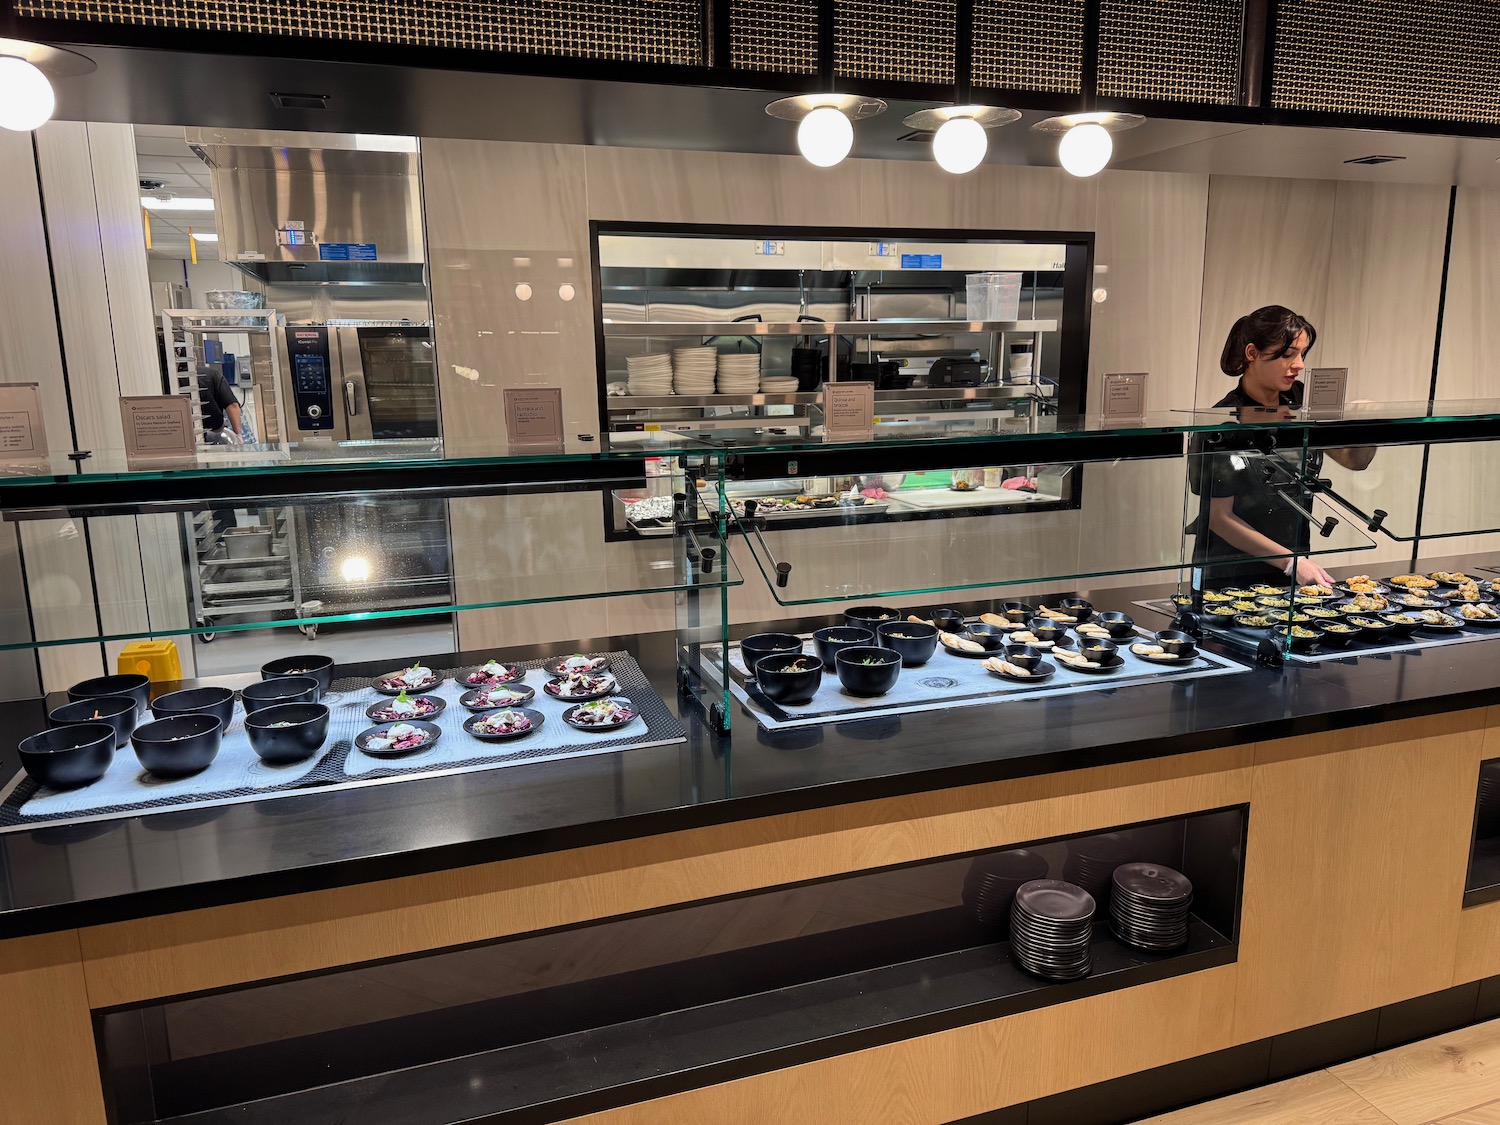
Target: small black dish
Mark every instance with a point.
(1399, 628)
(137, 687)
(828, 641)
(319, 668)
(945, 618)
(1252, 621)
(1100, 651)
(278, 690)
(557, 666)
(1115, 623)
(915, 641)
(789, 678)
(1031, 659)
(570, 716)
(860, 678)
(383, 682)
(470, 699)
(1076, 607)
(872, 617)
(1019, 612)
(1371, 627)
(1045, 629)
(477, 677)
(281, 745)
(1108, 662)
(179, 746)
(1335, 634)
(1298, 644)
(992, 637)
(552, 688)
(68, 756)
(1380, 588)
(380, 711)
(215, 701)
(471, 725)
(1176, 642)
(118, 711)
(752, 648)
(362, 740)
(1425, 599)
(1454, 628)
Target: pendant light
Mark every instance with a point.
(825, 123)
(26, 70)
(1087, 138)
(960, 133)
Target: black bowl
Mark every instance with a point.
(1399, 628)
(1176, 642)
(1076, 607)
(872, 617)
(68, 756)
(1299, 644)
(319, 668)
(945, 618)
(137, 687)
(178, 746)
(915, 641)
(992, 637)
(781, 682)
(835, 637)
(1045, 629)
(1383, 631)
(1115, 623)
(752, 648)
(1099, 651)
(1337, 637)
(1033, 660)
(280, 745)
(215, 701)
(1019, 612)
(281, 689)
(116, 710)
(868, 679)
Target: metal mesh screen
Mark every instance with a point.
(1028, 44)
(896, 40)
(660, 31)
(1438, 60)
(1182, 50)
(779, 35)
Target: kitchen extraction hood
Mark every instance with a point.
(315, 208)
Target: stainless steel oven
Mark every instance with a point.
(360, 380)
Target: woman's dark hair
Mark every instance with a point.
(1271, 329)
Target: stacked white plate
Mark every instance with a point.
(649, 374)
(739, 373)
(778, 385)
(693, 370)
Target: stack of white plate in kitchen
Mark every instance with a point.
(1051, 924)
(649, 374)
(739, 373)
(778, 384)
(693, 370)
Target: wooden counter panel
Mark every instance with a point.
(1354, 870)
(196, 950)
(49, 1071)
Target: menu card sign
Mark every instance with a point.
(534, 417)
(848, 409)
(1125, 396)
(23, 439)
(157, 428)
(1326, 389)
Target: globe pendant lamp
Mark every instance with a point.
(960, 133)
(825, 123)
(26, 72)
(1087, 139)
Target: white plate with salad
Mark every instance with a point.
(416, 678)
(504, 725)
(601, 714)
(391, 740)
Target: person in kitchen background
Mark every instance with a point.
(1247, 529)
(216, 397)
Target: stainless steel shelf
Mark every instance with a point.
(817, 328)
(628, 404)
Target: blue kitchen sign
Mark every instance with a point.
(347, 252)
(921, 261)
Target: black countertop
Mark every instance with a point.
(63, 877)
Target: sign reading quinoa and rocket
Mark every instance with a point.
(23, 439)
(158, 428)
(534, 417)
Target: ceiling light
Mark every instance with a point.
(825, 130)
(205, 237)
(960, 140)
(26, 98)
(1087, 142)
(177, 203)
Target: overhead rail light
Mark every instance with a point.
(825, 123)
(960, 133)
(27, 69)
(205, 237)
(1087, 138)
(177, 203)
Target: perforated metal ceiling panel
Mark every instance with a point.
(1438, 60)
(896, 40)
(776, 35)
(658, 31)
(1028, 44)
(1179, 50)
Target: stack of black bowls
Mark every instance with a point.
(1149, 905)
(1051, 924)
(992, 882)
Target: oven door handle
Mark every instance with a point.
(351, 398)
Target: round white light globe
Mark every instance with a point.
(825, 136)
(1085, 149)
(26, 99)
(959, 145)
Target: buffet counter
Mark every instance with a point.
(1348, 788)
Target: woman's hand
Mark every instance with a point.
(1310, 573)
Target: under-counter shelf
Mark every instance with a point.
(821, 328)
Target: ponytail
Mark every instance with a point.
(1271, 329)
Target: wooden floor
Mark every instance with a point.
(1453, 1079)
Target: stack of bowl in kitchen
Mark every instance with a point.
(693, 370)
(739, 373)
(649, 374)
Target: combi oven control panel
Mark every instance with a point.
(311, 377)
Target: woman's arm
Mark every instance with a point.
(1356, 459)
(1238, 534)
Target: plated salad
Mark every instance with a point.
(493, 672)
(395, 738)
(501, 723)
(601, 713)
(405, 706)
(581, 685)
(577, 663)
(415, 678)
(497, 697)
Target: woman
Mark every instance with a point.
(1251, 529)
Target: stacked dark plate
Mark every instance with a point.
(1051, 923)
(992, 882)
(1093, 859)
(1489, 799)
(1148, 906)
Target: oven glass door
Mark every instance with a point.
(400, 382)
